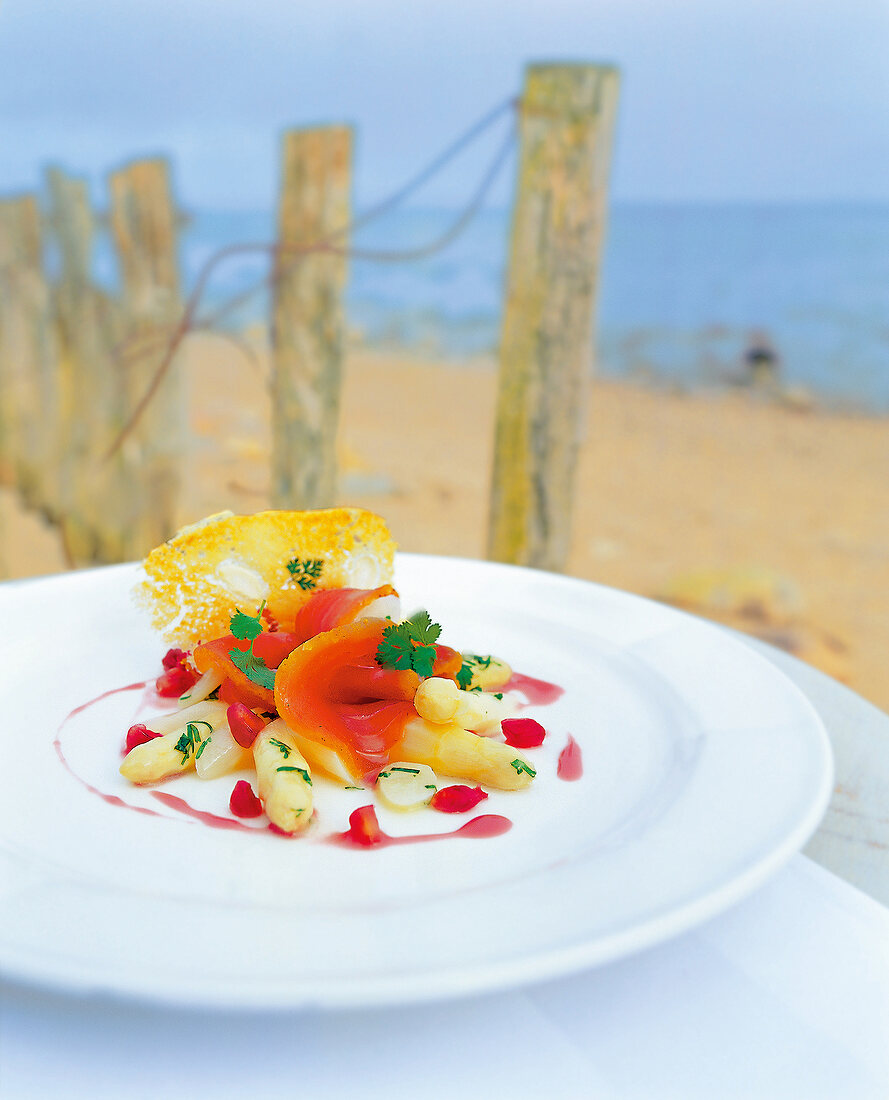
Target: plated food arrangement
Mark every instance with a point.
(290, 660)
(703, 770)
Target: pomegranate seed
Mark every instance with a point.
(174, 657)
(244, 724)
(522, 733)
(364, 829)
(457, 799)
(138, 735)
(175, 682)
(243, 802)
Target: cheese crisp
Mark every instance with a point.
(194, 581)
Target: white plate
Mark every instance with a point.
(704, 770)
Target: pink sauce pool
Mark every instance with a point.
(538, 692)
(487, 825)
(570, 766)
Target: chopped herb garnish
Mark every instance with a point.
(410, 644)
(302, 771)
(521, 766)
(245, 627)
(498, 694)
(353, 788)
(409, 771)
(185, 745)
(190, 741)
(472, 663)
(285, 750)
(305, 573)
(431, 787)
(204, 744)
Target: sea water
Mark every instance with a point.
(686, 290)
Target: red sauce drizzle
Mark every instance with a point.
(213, 820)
(99, 698)
(537, 692)
(570, 766)
(111, 799)
(486, 825)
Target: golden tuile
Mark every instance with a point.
(195, 581)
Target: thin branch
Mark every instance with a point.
(188, 322)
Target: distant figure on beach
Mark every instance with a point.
(761, 364)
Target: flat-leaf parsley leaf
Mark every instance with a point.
(423, 630)
(410, 644)
(245, 627)
(254, 668)
(396, 650)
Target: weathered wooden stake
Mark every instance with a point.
(567, 119)
(308, 318)
(144, 221)
(89, 386)
(8, 273)
(27, 353)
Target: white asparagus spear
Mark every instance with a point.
(283, 778)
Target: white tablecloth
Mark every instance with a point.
(786, 995)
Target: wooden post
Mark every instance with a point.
(143, 220)
(8, 271)
(89, 386)
(567, 119)
(27, 354)
(308, 319)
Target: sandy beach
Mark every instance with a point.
(768, 516)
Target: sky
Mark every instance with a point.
(721, 100)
